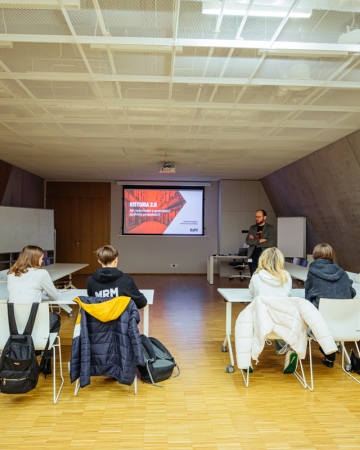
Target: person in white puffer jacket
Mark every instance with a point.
(272, 280)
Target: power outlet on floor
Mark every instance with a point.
(173, 265)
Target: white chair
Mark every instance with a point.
(40, 334)
(342, 316)
(300, 377)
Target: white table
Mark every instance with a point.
(210, 264)
(300, 273)
(67, 298)
(236, 295)
(60, 270)
(56, 271)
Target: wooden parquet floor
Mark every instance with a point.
(204, 408)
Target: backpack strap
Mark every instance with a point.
(30, 323)
(11, 319)
(41, 365)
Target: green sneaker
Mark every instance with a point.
(291, 360)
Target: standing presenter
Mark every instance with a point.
(260, 236)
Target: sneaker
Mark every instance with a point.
(250, 369)
(291, 360)
(355, 362)
(328, 362)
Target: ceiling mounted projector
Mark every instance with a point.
(167, 168)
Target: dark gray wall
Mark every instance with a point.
(20, 188)
(325, 188)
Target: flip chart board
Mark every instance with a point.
(291, 236)
(25, 226)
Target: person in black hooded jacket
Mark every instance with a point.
(110, 282)
(326, 279)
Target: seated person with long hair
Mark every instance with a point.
(272, 280)
(26, 281)
(326, 279)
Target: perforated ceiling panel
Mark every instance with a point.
(110, 89)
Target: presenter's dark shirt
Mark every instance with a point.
(257, 250)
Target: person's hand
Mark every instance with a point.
(262, 240)
(251, 236)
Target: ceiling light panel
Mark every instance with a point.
(38, 4)
(36, 129)
(19, 112)
(11, 89)
(126, 18)
(239, 9)
(339, 98)
(66, 111)
(60, 90)
(43, 57)
(145, 91)
(32, 21)
(147, 113)
(324, 26)
(78, 129)
(150, 64)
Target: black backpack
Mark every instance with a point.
(19, 368)
(159, 363)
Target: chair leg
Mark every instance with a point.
(57, 393)
(301, 377)
(245, 378)
(77, 387)
(135, 385)
(343, 362)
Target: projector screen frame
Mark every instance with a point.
(162, 187)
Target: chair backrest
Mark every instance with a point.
(342, 316)
(40, 332)
(303, 263)
(296, 261)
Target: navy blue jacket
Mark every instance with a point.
(106, 340)
(326, 279)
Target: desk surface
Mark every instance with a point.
(60, 270)
(296, 271)
(238, 295)
(300, 273)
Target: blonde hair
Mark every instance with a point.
(28, 257)
(107, 254)
(324, 251)
(272, 260)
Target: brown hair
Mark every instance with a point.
(28, 257)
(324, 251)
(272, 260)
(106, 254)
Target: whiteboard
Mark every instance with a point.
(25, 226)
(291, 236)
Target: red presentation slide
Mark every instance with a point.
(150, 211)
